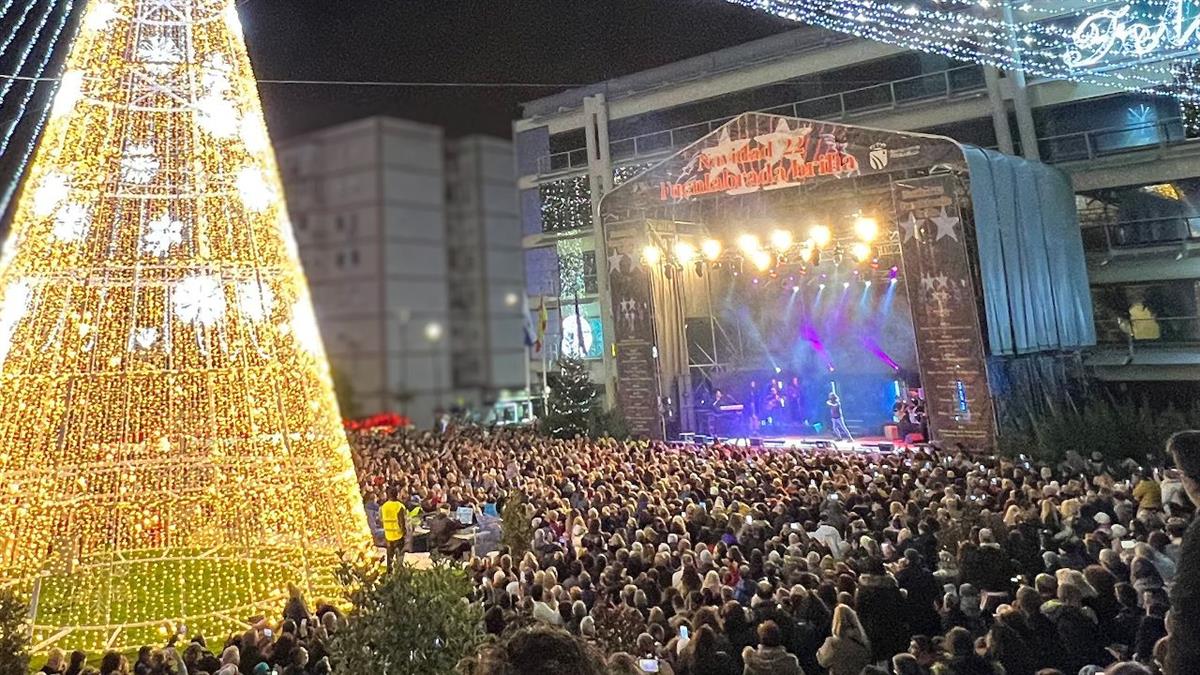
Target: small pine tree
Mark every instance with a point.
(516, 530)
(571, 400)
(14, 634)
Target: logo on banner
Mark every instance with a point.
(878, 157)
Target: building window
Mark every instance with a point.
(354, 257)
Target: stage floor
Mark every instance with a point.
(863, 444)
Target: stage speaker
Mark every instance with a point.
(886, 447)
(756, 443)
(824, 445)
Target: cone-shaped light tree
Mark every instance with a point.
(171, 454)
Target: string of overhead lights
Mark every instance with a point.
(1130, 47)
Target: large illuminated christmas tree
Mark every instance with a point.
(171, 454)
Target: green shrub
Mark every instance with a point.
(406, 622)
(14, 634)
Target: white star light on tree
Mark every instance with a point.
(160, 53)
(52, 189)
(254, 135)
(144, 338)
(161, 234)
(217, 116)
(99, 16)
(139, 165)
(304, 326)
(70, 91)
(17, 297)
(199, 300)
(256, 193)
(255, 299)
(71, 223)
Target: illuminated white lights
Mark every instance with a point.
(748, 243)
(860, 251)
(256, 193)
(70, 92)
(711, 249)
(52, 189)
(685, 252)
(199, 300)
(17, 297)
(433, 331)
(820, 235)
(139, 165)
(99, 16)
(781, 240)
(304, 327)
(71, 223)
(255, 299)
(761, 260)
(866, 229)
(162, 233)
(217, 116)
(651, 254)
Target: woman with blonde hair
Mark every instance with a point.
(847, 651)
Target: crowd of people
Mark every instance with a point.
(728, 560)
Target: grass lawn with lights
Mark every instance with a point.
(143, 598)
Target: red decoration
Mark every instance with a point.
(382, 421)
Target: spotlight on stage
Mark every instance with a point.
(845, 284)
(761, 260)
(748, 243)
(866, 228)
(860, 250)
(685, 253)
(711, 248)
(820, 235)
(781, 240)
(651, 254)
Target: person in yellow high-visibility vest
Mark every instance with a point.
(394, 516)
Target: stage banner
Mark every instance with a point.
(633, 332)
(945, 311)
(763, 152)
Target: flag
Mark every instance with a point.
(527, 325)
(543, 322)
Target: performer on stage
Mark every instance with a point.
(838, 424)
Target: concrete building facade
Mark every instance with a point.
(369, 205)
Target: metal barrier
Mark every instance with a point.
(1107, 236)
(1095, 143)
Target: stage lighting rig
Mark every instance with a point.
(711, 248)
(651, 254)
(861, 251)
(866, 228)
(685, 252)
(820, 235)
(781, 240)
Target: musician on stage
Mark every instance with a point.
(838, 423)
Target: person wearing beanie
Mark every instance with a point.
(1183, 650)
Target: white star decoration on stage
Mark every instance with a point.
(721, 155)
(161, 234)
(614, 262)
(910, 226)
(945, 225)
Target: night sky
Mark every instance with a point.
(542, 41)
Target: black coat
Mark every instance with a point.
(881, 609)
(923, 593)
(1185, 605)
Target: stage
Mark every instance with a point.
(866, 444)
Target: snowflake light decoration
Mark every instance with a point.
(160, 54)
(255, 299)
(71, 223)
(161, 234)
(139, 165)
(217, 116)
(304, 327)
(70, 92)
(99, 16)
(256, 193)
(216, 74)
(199, 300)
(52, 189)
(17, 297)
